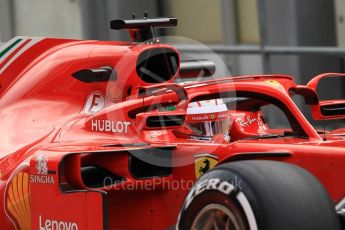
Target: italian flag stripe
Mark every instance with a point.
(2, 64)
(8, 48)
(14, 49)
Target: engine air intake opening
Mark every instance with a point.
(157, 65)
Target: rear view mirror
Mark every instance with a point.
(333, 109)
(327, 109)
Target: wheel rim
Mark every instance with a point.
(215, 217)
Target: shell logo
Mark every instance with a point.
(115, 92)
(17, 201)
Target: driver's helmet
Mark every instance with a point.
(206, 118)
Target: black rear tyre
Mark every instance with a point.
(263, 195)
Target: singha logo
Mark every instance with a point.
(41, 164)
(42, 176)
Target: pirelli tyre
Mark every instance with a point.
(258, 195)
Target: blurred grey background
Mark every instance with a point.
(236, 23)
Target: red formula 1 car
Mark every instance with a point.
(97, 135)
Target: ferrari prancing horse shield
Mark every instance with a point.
(203, 163)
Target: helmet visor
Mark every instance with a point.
(209, 128)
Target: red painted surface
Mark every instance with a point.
(43, 123)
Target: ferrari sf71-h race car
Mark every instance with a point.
(98, 135)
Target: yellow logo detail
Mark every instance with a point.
(273, 83)
(203, 164)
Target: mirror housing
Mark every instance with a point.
(327, 109)
(307, 93)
